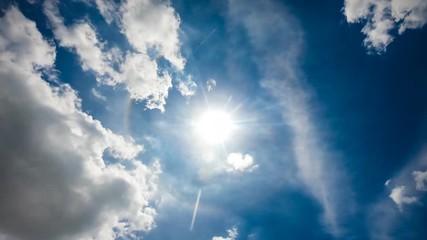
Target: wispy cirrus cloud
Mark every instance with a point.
(383, 17)
(55, 181)
(98, 95)
(277, 60)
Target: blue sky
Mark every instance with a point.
(222, 120)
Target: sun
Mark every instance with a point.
(214, 126)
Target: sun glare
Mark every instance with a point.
(214, 126)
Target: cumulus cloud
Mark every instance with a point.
(82, 38)
(16, 32)
(143, 80)
(281, 76)
(240, 162)
(383, 17)
(55, 183)
(210, 84)
(420, 180)
(188, 87)
(398, 196)
(232, 235)
(137, 71)
(137, 18)
(158, 18)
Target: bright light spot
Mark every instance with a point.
(214, 126)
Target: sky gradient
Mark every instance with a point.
(222, 120)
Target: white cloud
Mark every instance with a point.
(54, 180)
(382, 216)
(107, 9)
(188, 87)
(420, 180)
(387, 183)
(382, 17)
(210, 84)
(144, 82)
(240, 162)
(252, 236)
(138, 18)
(152, 25)
(98, 95)
(398, 196)
(16, 33)
(81, 37)
(277, 61)
(232, 235)
(137, 71)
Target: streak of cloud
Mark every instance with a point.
(196, 207)
(281, 75)
(205, 39)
